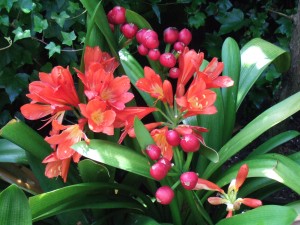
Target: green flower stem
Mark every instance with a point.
(168, 47)
(188, 161)
(177, 158)
(164, 115)
(194, 203)
(175, 212)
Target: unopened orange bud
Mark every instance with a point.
(241, 176)
(251, 202)
(216, 200)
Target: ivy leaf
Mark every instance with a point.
(7, 4)
(39, 24)
(20, 34)
(14, 84)
(26, 5)
(231, 21)
(4, 20)
(61, 18)
(73, 7)
(52, 48)
(68, 38)
(197, 20)
(285, 27)
(224, 5)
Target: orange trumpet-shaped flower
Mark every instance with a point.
(58, 162)
(125, 118)
(159, 136)
(197, 100)
(211, 75)
(230, 198)
(95, 55)
(99, 118)
(153, 85)
(189, 63)
(57, 167)
(62, 142)
(55, 92)
(98, 83)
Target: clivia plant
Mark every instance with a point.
(148, 144)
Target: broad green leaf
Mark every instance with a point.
(214, 123)
(91, 171)
(295, 205)
(60, 18)
(209, 153)
(14, 207)
(274, 142)
(20, 34)
(232, 63)
(73, 6)
(197, 20)
(39, 24)
(256, 55)
(68, 38)
(22, 135)
(139, 219)
(53, 48)
(142, 134)
(26, 5)
(231, 21)
(114, 155)
(11, 153)
(133, 17)
(94, 7)
(269, 214)
(7, 4)
(85, 195)
(256, 127)
(273, 166)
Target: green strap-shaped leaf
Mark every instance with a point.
(142, 134)
(25, 137)
(102, 23)
(274, 142)
(273, 166)
(256, 55)
(11, 153)
(260, 124)
(269, 214)
(134, 71)
(85, 195)
(232, 64)
(114, 155)
(91, 171)
(14, 207)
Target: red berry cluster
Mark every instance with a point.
(158, 171)
(148, 42)
(188, 142)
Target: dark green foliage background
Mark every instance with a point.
(47, 33)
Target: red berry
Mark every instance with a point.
(154, 54)
(117, 15)
(170, 35)
(179, 46)
(174, 72)
(142, 49)
(189, 143)
(158, 171)
(189, 180)
(139, 35)
(185, 36)
(150, 39)
(166, 162)
(164, 195)
(153, 151)
(173, 138)
(129, 30)
(167, 60)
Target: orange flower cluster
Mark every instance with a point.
(105, 109)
